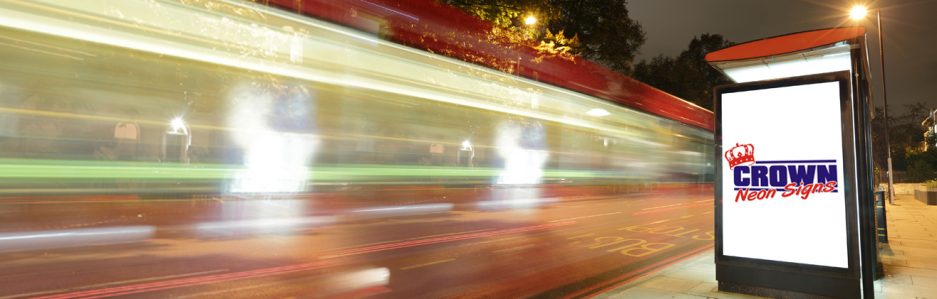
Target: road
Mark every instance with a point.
(554, 247)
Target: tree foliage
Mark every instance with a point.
(922, 166)
(906, 136)
(688, 75)
(599, 30)
(559, 45)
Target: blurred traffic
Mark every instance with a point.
(231, 149)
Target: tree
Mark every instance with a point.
(906, 137)
(661, 72)
(599, 30)
(607, 34)
(687, 76)
(921, 166)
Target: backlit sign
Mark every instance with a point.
(782, 175)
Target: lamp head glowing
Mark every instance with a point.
(530, 20)
(858, 12)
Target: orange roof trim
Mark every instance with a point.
(787, 43)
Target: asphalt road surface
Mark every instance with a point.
(528, 246)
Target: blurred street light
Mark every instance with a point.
(530, 20)
(177, 125)
(858, 12)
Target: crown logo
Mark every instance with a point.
(740, 154)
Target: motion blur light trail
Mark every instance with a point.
(382, 274)
(64, 169)
(43, 240)
(153, 286)
(216, 148)
(420, 242)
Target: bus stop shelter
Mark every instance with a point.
(790, 60)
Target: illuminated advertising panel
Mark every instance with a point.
(782, 174)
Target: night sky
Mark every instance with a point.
(910, 34)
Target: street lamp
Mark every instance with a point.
(858, 12)
(530, 20)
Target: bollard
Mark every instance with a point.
(881, 225)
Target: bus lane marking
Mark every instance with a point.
(636, 274)
(627, 246)
(671, 230)
(641, 247)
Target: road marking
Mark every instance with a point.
(583, 217)
(445, 239)
(636, 274)
(230, 290)
(580, 236)
(515, 248)
(667, 206)
(114, 283)
(426, 264)
(414, 238)
(190, 281)
(496, 240)
(446, 234)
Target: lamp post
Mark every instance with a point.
(530, 21)
(859, 12)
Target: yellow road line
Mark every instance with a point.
(115, 283)
(427, 264)
(514, 248)
(667, 206)
(582, 217)
(495, 240)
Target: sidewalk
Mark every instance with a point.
(910, 257)
(910, 261)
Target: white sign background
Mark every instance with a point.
(786, 123)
